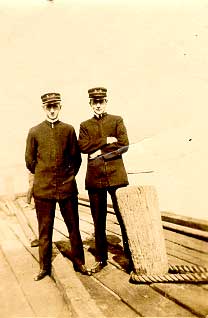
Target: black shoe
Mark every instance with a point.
(42, 274)
(130, 267)
(34, 243)
(82, 269)
(98, 266)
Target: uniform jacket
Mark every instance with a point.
(53, 156)
(107, 169)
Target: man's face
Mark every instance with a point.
(98, 105)
(52, 110)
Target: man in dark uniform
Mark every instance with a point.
(104, 138)
(53, 156)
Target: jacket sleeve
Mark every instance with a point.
(75, 154)
(31, 152)
(87, 144)
(119, 147)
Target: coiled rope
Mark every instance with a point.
(176, 274)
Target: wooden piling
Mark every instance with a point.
(139, 208)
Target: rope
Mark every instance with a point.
(176, 274)
(170, 278)
(187, 268)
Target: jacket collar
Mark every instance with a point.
(52, 123)
(98, 117)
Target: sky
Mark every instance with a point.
(151, 55)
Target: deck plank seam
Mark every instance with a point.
(116, 295)
(176, 301)
(186, 246)
(12, 270)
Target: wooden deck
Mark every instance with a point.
(110, 289)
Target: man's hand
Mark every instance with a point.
(95, 154)
(110, 140)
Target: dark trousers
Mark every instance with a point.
(98, 205)
(45, 210)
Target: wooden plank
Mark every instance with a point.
(4, 207)
(143, 299)
(88, 227)
(185, 221)
(23, 222)
(192, 297)
(17, 230)
(35, 252)
(109, 303)
(115, 251)
(58, 235)
(173, 260)
(188, 255)
(7, 203)
(175, 250)
(186, 286)
(140, 298)
(86, 210)
(60, 225)
(183, 254)
(30, 215)
(23, 202)
(112, 258)
(74, 291)
(202, 235)
(13, 300)
(23, 265)
(19, 259)
(114, 239)
(112, 226)
(4, 233)
(59, 222)
(186, 241)
(186, 224)
(83, 197)
(60, 230)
